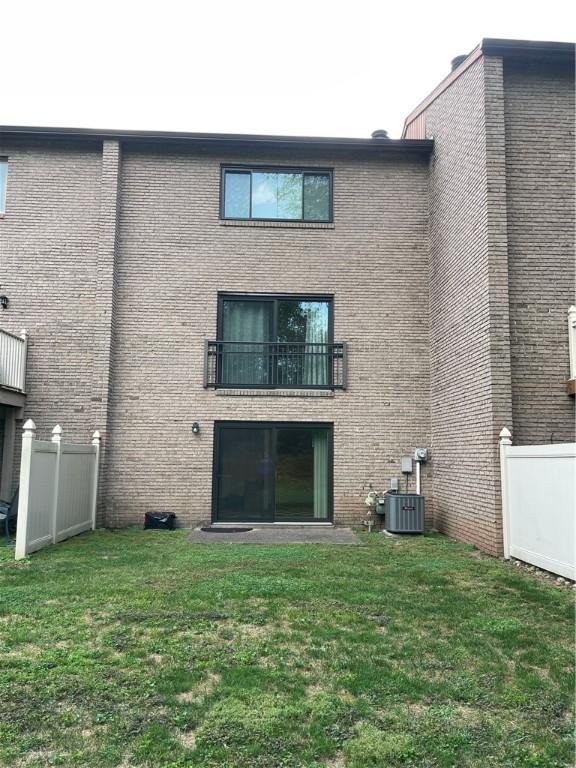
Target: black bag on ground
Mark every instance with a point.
(161, 521)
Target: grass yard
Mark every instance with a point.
(136, 648)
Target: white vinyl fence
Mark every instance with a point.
(58, 488)
(539, 504)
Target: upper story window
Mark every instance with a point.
(3, 182)
(275, 342)
(276, 194)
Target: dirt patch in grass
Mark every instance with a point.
(25, 650)
(187, 739)
(200, 691)
(338, 761)
(37, 756)
(314, 690)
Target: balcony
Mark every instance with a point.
(274, 365)
(13, 360)
(571, 383)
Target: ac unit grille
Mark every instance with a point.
(404, 513)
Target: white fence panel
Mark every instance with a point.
(41, 494)
(74, 509)
(539, 504)
(58, 486)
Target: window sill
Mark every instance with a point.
(275, 392)
(277, 224)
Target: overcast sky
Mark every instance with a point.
(304, 67)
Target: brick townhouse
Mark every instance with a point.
(261, 326)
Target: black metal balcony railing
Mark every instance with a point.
(275, 365)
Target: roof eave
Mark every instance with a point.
(222, 140)
(495, 47)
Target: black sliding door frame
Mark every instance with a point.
(275, 298)
(273, 344)
(274, 427)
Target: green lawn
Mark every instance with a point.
(136, 648)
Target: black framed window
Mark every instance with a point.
(274, 317)
(276, 194)
(275, 340)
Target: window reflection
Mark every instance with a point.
(277, 195)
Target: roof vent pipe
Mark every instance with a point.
(380, 134)
(457, 60)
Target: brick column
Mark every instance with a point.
(497, 231)
(105, 303)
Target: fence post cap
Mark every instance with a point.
(29, 426)
(572, 309)
(96, 438)
(505, 435)
(57, 434)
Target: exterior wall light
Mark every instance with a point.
(4, 302)
(195, 428)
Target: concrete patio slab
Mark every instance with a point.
(279, 535)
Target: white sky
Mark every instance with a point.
(303, 67)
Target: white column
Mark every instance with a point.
(29, 432)
(96, 444)
(572, 340)
(56, 438)
(22, 379)
(505, 442)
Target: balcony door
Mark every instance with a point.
(266, 473)
(280, 341)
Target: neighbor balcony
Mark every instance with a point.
(13, 360)
(13, 350)
(275, 365)
(571, 383)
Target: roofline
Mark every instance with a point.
(223, 139)
(494, 47)
(497, 47)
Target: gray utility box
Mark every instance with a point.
(403, 512)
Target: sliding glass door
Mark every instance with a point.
(272, 472)
(269, 341)
(245, 475)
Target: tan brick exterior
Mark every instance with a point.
(161, 271)
(48, 267)
(467, 373)
(541, 203)
(501, 280)
(173, 258)
(451, 280)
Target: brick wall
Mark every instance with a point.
(174, 256)
(502, 278)
(48, 262)
(66, 264)
(540, 183)
(450, 283)
(468, 308)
